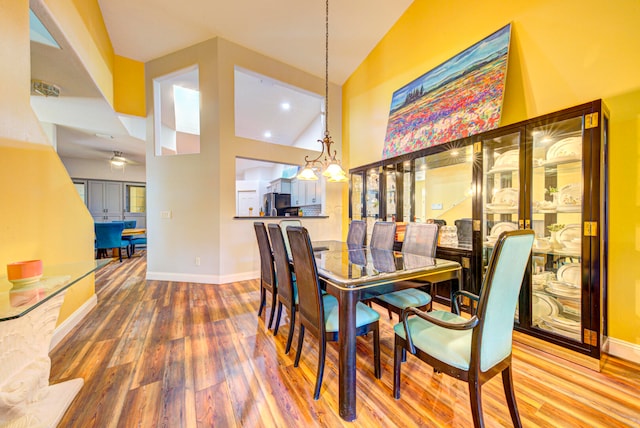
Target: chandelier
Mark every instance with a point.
(330, 165)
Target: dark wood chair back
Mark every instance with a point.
(310, 304)
(421, 239)
(267, 271)
(283, 267)
(357, 232)
(383, 235)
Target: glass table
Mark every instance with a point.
(354, 274)
(28, 316)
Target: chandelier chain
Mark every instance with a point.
(326, 70)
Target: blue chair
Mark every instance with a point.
(319, 313)
(421, 239)
(475, 349)
(109, 235)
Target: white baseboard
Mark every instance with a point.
(67, 325)
(202, 279)
(621, 349)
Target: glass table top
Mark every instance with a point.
(17, 301)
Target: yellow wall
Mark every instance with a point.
(42, 216)
(562, 53)
(128, 86)
(81, 23)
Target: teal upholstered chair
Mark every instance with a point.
(475, 349)
(421, 239)
(287, 288)
(319, 313)
(267, 270)
(109, 235)
(283, 227)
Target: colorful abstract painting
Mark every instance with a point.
(458, 98)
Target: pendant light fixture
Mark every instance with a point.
(330, 165)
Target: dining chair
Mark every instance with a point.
(287, 288)
(420, 239)
(283, 227)
(319, 313)
(383, 235)
(268, 280)
(109, 235)
(475, 349)
(357, 232)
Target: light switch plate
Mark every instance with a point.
(436, 206)
(165, 214)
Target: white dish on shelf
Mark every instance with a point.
(543, 305)
(502, 208)
(570, 273)
(562, 323)
(498, 228)
(570, 197)
(566, 293)
(570, 236)
(567, 148)
(506, 196)
(507, 161)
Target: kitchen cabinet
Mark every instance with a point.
(105, 200)
(313, 192)
(281, 185)
(548, 174)
(298, 193)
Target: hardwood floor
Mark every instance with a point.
(175, 354)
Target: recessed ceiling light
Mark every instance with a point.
(285, 106)
(267, 134)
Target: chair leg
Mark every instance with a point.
(273, 305)
(389, 312)
(292, 326)
(475, 397)
(263, 299)
(509, 392)
(275, 329)
(299, 350)
(120, 254)
(376, 351)
(397, 363)
(321, 357)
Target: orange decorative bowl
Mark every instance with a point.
(23, 273)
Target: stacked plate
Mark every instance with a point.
(498, 228)
(565, 150)
(570, 198)
(570, 237)
(507, 161)
(561, 325)
(543, 306)
(504, 200)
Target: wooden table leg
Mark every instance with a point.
(347, 349)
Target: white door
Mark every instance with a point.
(248, 203)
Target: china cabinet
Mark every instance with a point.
(547, 174)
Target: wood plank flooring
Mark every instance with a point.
(175, 354)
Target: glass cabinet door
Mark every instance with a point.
(556, 202)
(391, 193)
(500, 189)
(407, 192)
(357, 196)
(372, 198)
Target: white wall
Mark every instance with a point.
(101, 170)
(199, 189)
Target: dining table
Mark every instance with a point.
(128, 232)
(354, 273)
